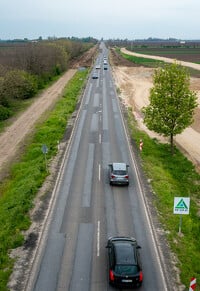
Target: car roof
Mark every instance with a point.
(119, 166)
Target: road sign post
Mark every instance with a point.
(181, 206)
(45, 151)
(180, 224)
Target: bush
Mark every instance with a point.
(19, 84)
(4, 113)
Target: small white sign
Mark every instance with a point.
(181, 205)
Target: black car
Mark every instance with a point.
(125, 270)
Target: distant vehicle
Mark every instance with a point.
(105, 67)
(105, 62)
(95, 75)
(125, 269)
(98, 67)
(118, 174)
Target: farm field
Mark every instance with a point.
(187, 54)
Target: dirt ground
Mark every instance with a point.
(135, 82)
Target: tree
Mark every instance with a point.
(172, 103)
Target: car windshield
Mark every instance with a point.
(126, 269)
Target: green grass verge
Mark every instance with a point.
(27, 176)
(173, 176)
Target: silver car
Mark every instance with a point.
(118, 174)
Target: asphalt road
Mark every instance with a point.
(87, 210)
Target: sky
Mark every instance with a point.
(107, 19)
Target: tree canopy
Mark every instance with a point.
(172, 103)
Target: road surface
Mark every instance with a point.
(86, 210)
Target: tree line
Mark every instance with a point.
(27, 67)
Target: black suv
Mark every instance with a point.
(125, 270)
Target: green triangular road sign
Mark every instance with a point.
(181, 205)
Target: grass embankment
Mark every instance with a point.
(27, 176)
(174, 176)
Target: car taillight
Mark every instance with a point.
(112, 176)
(112, 277)
(141, 276)
(126, 176)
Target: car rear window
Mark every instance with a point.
(119, 172)
(126, 269)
